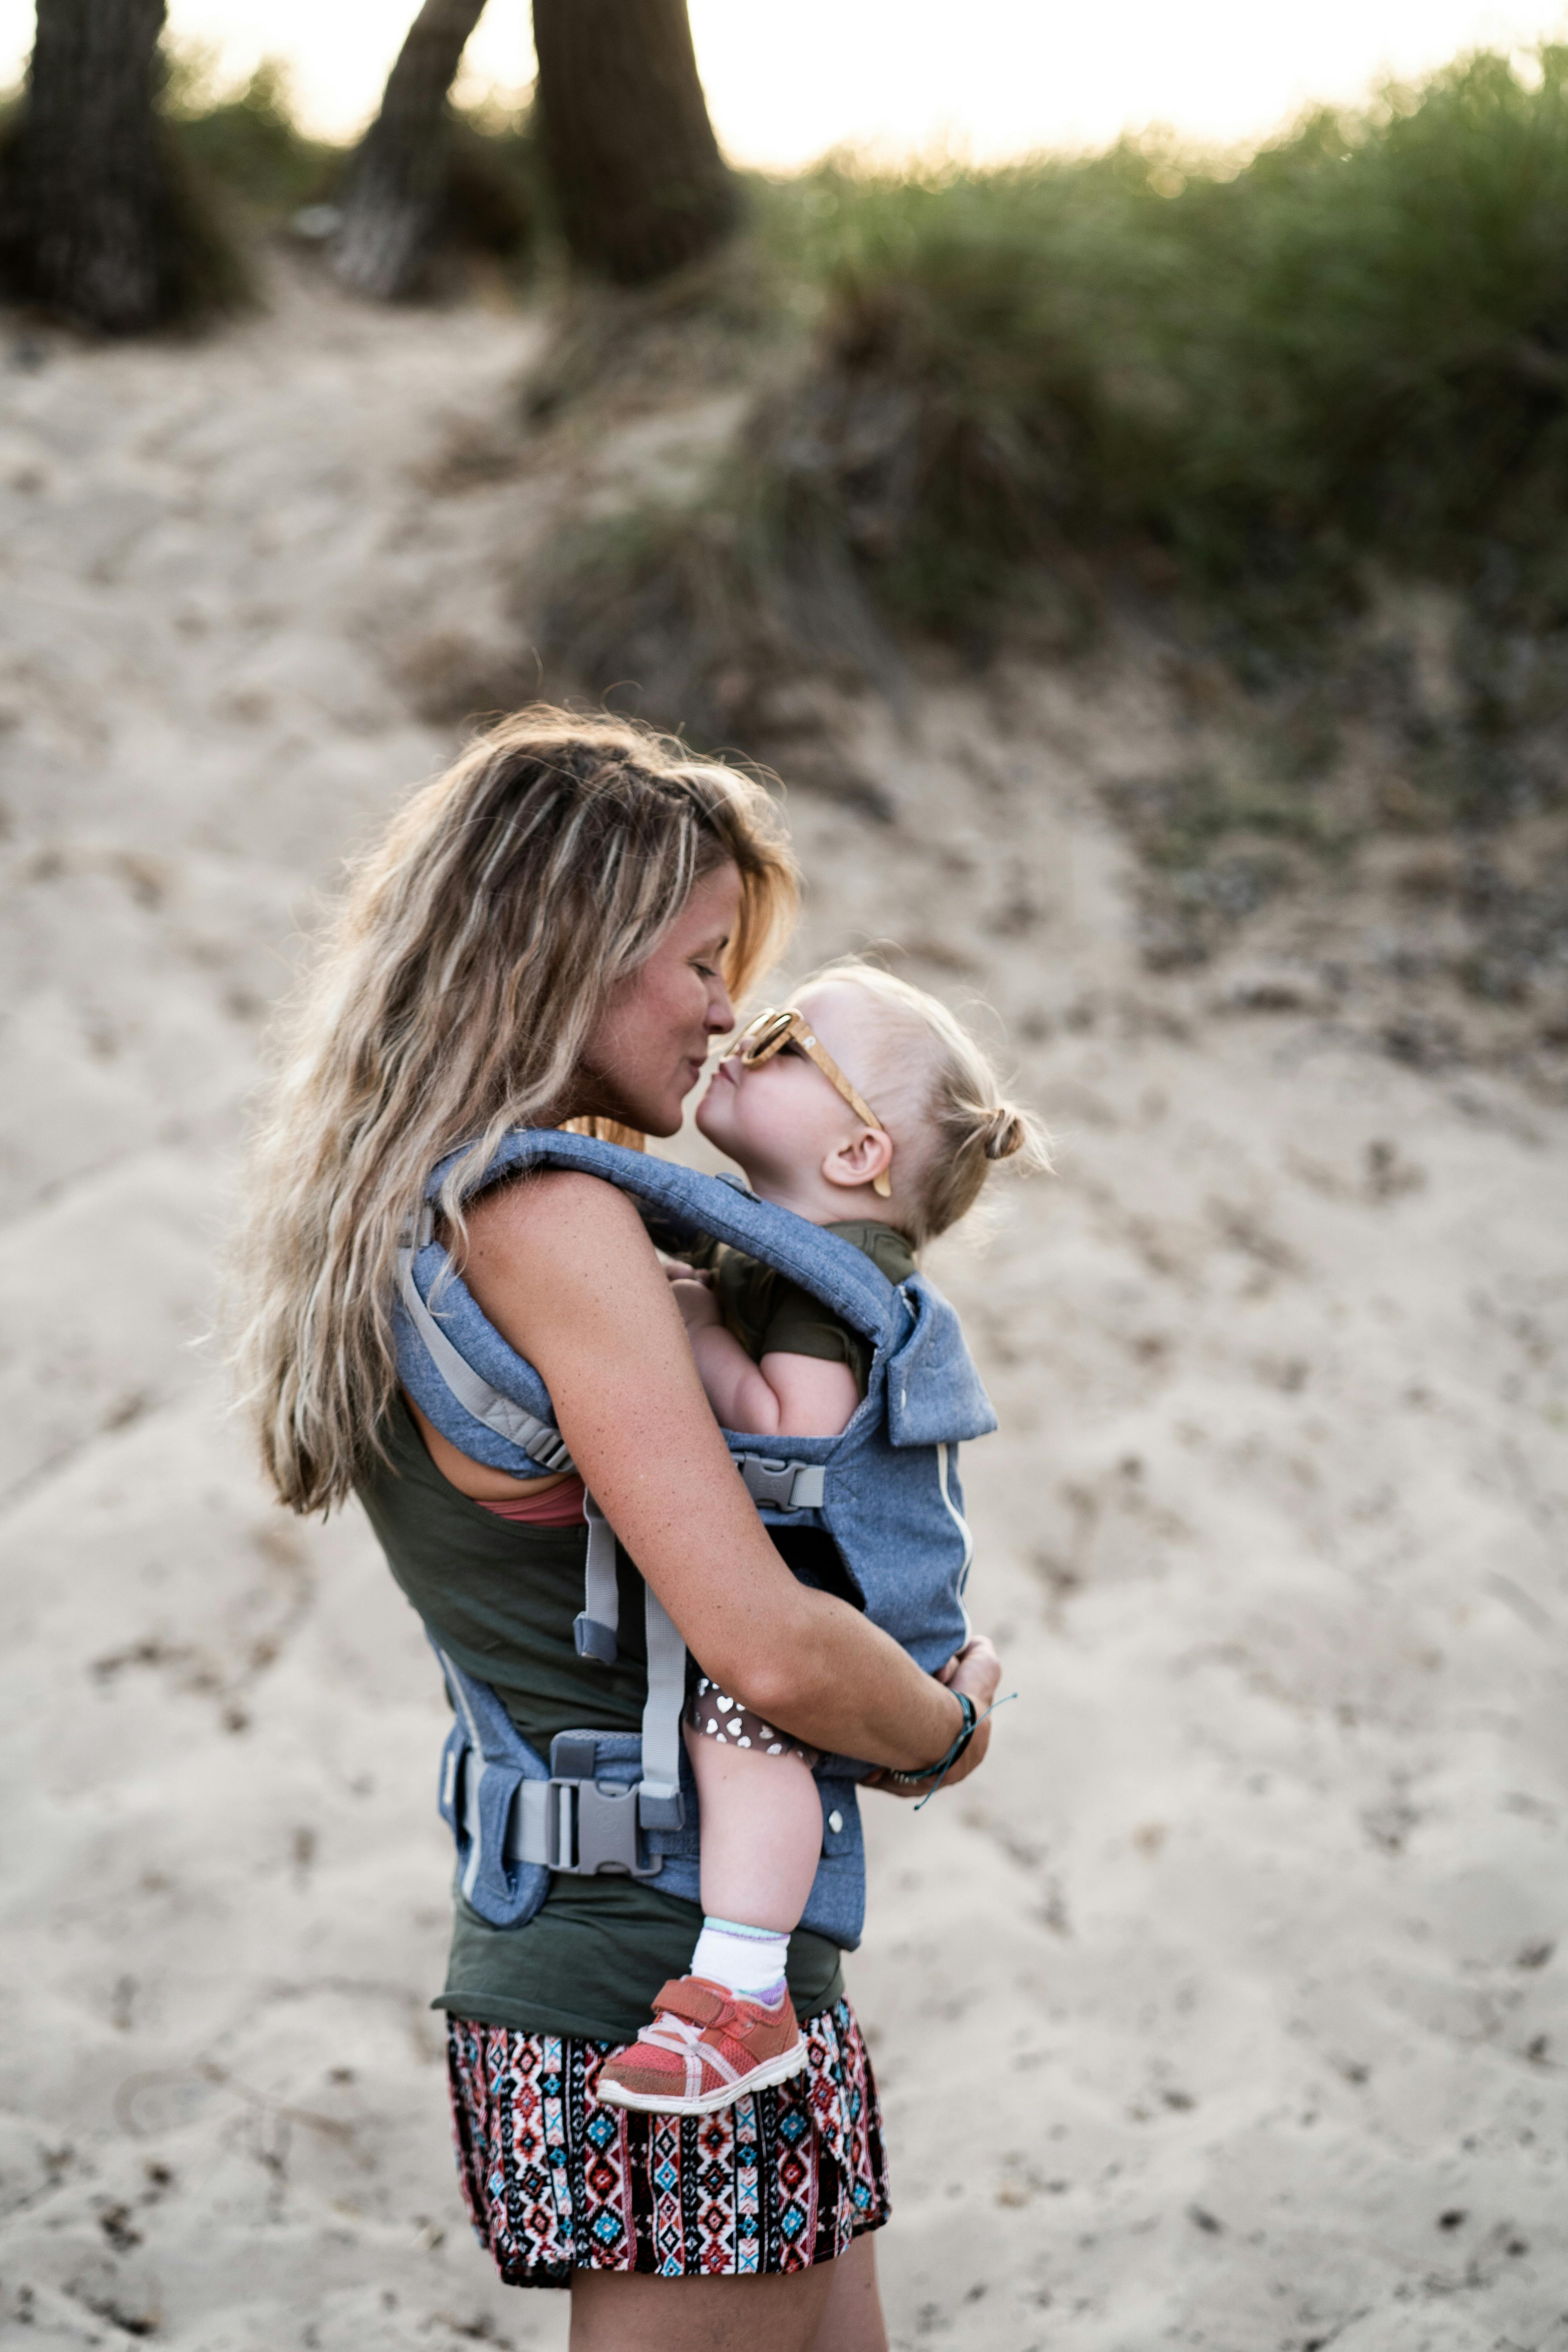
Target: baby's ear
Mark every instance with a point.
(865, 1160)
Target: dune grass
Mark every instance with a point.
(1253, 388)
(1355, 345)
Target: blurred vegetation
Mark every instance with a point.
(497, 199)
(1246, 395)
(246, 138)
(249, 140)
(1356, 344)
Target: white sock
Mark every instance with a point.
(747, 1961)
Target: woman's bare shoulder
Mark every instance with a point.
(552, 1246)
(557, 1207)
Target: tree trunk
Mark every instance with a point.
(640, 184)
(399, 175)
(89, 198)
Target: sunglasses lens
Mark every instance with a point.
(763, 1036)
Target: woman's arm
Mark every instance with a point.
(562, 1267)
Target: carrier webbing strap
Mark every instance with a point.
(659, 1797)
(786, 1486)
(538, 1440)
(659, 1791)
(593, 1630)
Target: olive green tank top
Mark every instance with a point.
(501, 1599)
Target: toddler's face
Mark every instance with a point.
(781, 1119)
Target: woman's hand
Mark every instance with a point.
(975, 1670)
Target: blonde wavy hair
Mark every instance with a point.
(449, 1000)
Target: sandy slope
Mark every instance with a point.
(1226, 2011)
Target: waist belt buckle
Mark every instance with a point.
(592, 1828)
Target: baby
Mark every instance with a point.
(785, 1106)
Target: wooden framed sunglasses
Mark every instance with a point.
(783, 1025)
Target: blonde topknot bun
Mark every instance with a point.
(1005, 1131)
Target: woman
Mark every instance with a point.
(553, 932)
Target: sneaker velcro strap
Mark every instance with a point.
(690, 1998)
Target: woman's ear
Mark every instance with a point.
(865, 1160)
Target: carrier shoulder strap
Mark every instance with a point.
(688, 1203)
(540, 1442)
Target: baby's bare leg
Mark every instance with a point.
(762, 1835)
(762, 1832)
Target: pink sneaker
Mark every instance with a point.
(706, 2048)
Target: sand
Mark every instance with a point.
(1225, 2009)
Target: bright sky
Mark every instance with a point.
(993, 77)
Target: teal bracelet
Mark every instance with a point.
(937, 1773)
(943, 1763)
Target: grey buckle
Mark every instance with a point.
(591, 1829)
(785, 1486)
(590, 1826)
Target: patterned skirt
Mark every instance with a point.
(554, 2181)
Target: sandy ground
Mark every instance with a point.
(1226, 2008)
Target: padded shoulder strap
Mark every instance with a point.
(539, 1440)
(690, 1203)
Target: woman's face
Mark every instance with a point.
(650, 1043)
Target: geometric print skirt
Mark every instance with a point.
(554, 2181)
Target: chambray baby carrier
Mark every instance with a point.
(886, 1489)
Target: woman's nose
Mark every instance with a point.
(721, 1012)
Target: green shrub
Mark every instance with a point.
(1250, 384)
(1357, 346)
(247, 138)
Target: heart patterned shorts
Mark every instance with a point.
(716, 1716)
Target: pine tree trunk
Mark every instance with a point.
(88, 199)
(399, 176)
(640, 184)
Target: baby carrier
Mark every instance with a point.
(886, 1489)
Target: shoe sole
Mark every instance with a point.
(708, 2103)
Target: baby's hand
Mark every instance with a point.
(694, 1296)
(674, 1269)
